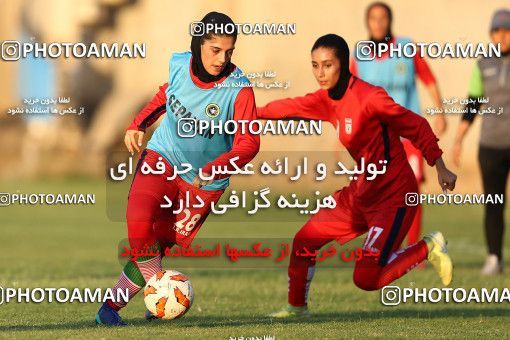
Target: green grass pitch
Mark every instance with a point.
(76, 246)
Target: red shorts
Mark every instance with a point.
(386, 225)
(147, 194)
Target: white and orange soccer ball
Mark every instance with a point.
(168, 294)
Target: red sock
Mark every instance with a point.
(302, 268)
(113, 305)
(372, 276)
(414, 233)
(300, 278)
(406, 260)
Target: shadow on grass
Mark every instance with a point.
(218, 321)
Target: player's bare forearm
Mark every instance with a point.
(459, 137)
(462, 130)
(440, 124)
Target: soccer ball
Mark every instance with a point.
(168, 294)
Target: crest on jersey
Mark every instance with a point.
(212, 110)
(348, 125)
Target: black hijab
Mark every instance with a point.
(196, 41)
(341, 49)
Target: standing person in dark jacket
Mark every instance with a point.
(397, 75)
(491, 79)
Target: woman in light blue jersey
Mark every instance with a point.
(397, 75)
(190, 97)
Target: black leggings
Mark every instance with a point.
(494, 164)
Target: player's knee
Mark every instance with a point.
(301, 239)
(367, 278)
(302, 234)
(141, 235)
(141, 208)
(365, 283)
(308, 234)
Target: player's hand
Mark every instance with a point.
(456, 151)
(198, 182)
(445, 177)
(133, 140)
(440, 125)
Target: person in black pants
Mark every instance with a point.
(491, 79)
